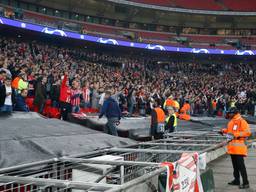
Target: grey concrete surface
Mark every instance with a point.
(223, 173)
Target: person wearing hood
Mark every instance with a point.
(237, 131)
(112, 112)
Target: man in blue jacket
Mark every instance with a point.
(112, 111)
(20, 104)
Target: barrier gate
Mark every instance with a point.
(131, 168)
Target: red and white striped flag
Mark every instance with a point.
(169, 178)
(187, 174)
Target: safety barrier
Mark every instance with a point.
(139, 167)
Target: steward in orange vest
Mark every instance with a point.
(185, 112)
(157, 123)
(238, 130)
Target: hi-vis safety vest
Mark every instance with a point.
(232, 104)
(175, 119)
(241, 130)
(19, 84)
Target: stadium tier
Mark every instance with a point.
(152, 37)
(224, 5)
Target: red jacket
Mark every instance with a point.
(65, 91)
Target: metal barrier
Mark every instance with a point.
(129, 168)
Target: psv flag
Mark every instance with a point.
(166, 180)
(187, 174)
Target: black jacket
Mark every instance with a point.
(169, 125)
(55, 93)
(40, 94)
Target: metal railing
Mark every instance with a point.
(113, 169)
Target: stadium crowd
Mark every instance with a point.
(74, 79)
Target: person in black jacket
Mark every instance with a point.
(55, 94)
(131, 100)
(112, 111)
(142, 105)
(40, 94)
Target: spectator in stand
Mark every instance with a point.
(95, 96)
(40, 94)
(55, 94)
(102, 97)
(122, 100)
(184, 80)
(142, 104)
(65, 93)
(76, 96)
(131, 100)
(86, 95)
(31, 84)
(112, 111)
(20, 103)
(2, 77)
(6, 96)
(5, 68)
(20, 82)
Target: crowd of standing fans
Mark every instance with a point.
(73, 79)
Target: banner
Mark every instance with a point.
(166, 181)
(186, 174)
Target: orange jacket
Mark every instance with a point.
(15, 83)
(184, 116)
(241, 130)
(160, 115)
(185, 108)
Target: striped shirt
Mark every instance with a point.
(75, 97)
(86, 95)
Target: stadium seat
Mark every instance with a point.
(245, 5)
(198, 4)
(29, 101)
(53, 112)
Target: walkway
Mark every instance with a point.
(223, 173)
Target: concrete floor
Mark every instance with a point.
(223, 173)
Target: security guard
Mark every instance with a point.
(171, 120)
(157, 122)
(186, 108)
(185, 112)
(237, 130)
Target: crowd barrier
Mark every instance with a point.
(170, 164)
